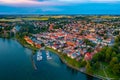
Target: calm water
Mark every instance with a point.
(16, 64)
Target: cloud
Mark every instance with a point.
(29, 3)
(108, 1)
(34, 3)
(73, 0)
(18, 1)
(89, 1)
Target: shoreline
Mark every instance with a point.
(27, 46)
(63, 60)
(73, 67)
(57, 53)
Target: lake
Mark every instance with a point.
(16, 64)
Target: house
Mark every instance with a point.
(26, 38)
(37, 45)
(30, 42)
(16, 29)
(70, 43)
(92, 30)
(51, 27)
(55, 46)
(73, 56)
(38, 38)
(69, 54)
(59, 50)
(93, 40)
(78, 53)
(88, 56)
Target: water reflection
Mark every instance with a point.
(89, 77)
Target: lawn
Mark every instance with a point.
(11, 20)
(36, 18)
(27, 18)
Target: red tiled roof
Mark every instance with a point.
(38, 45)
(70, 43)
(88, 56)
(30, 41)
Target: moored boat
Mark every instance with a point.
(39, 56)
(48, 55)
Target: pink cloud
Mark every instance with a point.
(27, 3)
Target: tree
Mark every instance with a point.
(117, 39)
(107, 59)
(113, 54)
(118, 56)
(116, 32)
(83, 63)
(89, 68)
(113, 62)
(0, 29)
(116, 69)
(97, 65)
(116, 47)
(42, 44)
(95, 57)
(108, 54)
(101, 56)
(104, 49)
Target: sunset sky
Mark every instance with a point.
(59, 6)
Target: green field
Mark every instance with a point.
(36, 18)
(31, 18)
(10, 20)
(27, 18)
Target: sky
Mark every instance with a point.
(60, 7)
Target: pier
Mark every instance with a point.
(40, 55)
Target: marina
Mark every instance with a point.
(40, 55)
(22, 67)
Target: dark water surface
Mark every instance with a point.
(16, 64)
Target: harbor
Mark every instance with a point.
(22, 67)
(47, 55)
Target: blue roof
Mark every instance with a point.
(112, 41)
(17, 28)
(73, 54)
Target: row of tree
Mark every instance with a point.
(110, 56)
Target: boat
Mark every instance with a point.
(39, 56)
(48, 55)
(39, 53)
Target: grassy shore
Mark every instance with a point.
(65, 59)
(101, 73)
(24, 44)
